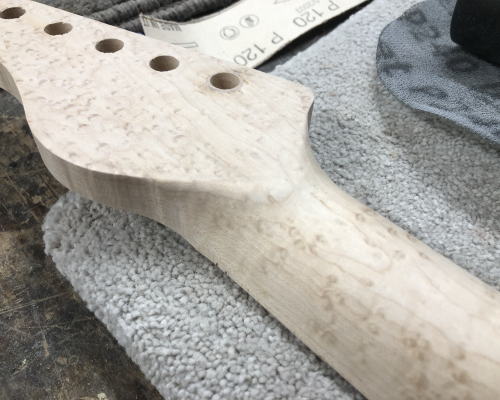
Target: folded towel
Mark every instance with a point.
(125, 13)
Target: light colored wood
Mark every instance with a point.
(232, 171)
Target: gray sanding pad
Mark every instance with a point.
(418, 62)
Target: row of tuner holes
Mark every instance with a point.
(223, 81)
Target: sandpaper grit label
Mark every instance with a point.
(250, 31)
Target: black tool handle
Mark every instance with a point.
(476, 27)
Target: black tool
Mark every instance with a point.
(476, 27)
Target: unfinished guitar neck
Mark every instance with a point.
(220, 154)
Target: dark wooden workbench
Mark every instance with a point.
(51, 346)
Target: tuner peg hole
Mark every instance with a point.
(58, 28)
(12, 13)
(109, 45)
(164, 63)
(225, 82)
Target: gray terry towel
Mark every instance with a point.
(191, 329)
(125, 13)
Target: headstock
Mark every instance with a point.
(112, 102)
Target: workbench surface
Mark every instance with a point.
(51, 345)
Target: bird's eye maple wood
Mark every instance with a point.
(220, 154)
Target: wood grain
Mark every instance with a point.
(231, 170)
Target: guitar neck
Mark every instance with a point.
(220, 153)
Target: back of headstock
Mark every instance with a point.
(220, 154)
(103, 101)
